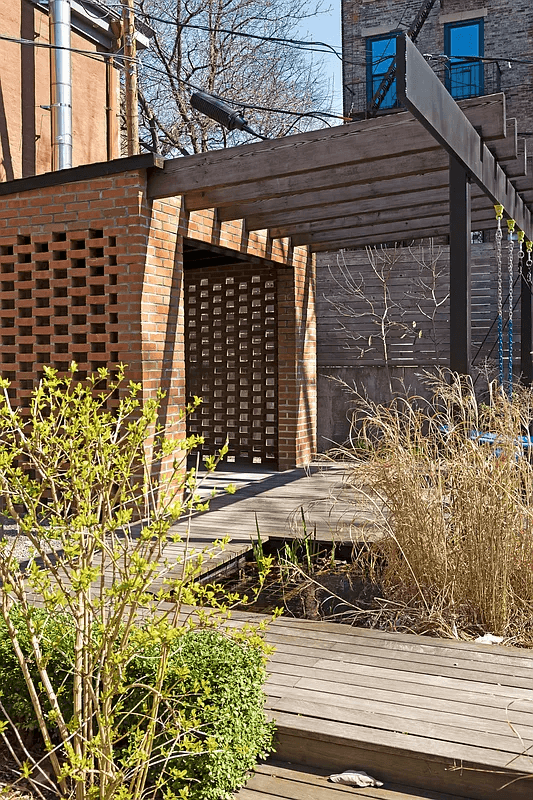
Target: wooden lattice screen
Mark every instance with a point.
(232, 360)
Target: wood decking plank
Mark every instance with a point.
(473, 678)
(500, 671)
(330, 628)
(422, 747)
(280, 787)
(367, 637)
(313, 709)
(315, 777)
(414, 708)
(274, 786)
(399, 766)
(389, 648)
(467, 704)
(391, 678)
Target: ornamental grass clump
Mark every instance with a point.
(119, 676)
(451, 480)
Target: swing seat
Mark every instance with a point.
(484, 437)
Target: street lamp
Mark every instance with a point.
(221, 112)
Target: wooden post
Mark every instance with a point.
(112, 114)
(460, 269)
(130, 54)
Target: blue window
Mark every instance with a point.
(464, 78)
(380, 54)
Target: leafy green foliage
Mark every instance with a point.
(212, 702)
(110, 646)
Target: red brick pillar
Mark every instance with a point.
(92, 272)
(162, 316)
(296, 364)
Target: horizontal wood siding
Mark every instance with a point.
(351, 305)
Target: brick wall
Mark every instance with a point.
(90, 271)
(25, 118)
(296, 288)
(508, 33)
(84, 275)
(297, 364)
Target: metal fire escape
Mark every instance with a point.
(388, 79)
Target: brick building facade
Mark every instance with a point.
(93, 271)
(505, 30)
(25, 113)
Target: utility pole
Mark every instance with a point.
(130, 63)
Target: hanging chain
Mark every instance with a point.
(521, 236)
(511, 227)
(499, 217)
(529, 262)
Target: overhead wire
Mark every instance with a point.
(297, 43)
(302, 44)
(119, 57)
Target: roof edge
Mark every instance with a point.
(85, 172)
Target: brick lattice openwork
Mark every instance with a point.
(231, 351)
(92, 271)
(58, 304)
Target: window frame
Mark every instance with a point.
(371, 75)
(462, 63)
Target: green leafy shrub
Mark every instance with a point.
(213, 702)
(110, 646)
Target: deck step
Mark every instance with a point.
(396, 757)
(442, 716)
(278, 780)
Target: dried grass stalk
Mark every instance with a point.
(453, 479)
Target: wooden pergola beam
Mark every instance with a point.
(263, 213)
(420, 90)
(307, 153)
(428, 204)
(240, 196)
(401, 228)
(421, 161)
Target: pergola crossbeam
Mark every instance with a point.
(420, 90)
(401, 229)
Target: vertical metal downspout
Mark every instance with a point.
(61, 84)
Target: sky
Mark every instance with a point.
(327, 28)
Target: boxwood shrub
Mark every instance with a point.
(212, 727)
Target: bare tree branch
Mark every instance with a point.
(218, 60)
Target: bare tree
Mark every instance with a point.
(432, 300)
(381, 308)
(209, 44)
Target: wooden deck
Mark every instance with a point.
(423, 715)
(282, 505)
(276, 779)
(275, 501)
(440, 715)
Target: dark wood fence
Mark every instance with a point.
(392, 307)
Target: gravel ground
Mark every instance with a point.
(9, 531)
(21, 544)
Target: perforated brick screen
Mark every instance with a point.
(231, 352)
(58, 304)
